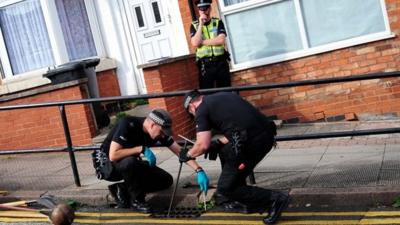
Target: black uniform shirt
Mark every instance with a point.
(226, 111)
(129, 133)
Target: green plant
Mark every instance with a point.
(396, 203)
(209, 204)
(141, 101)
(120, 115)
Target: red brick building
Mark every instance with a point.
(329, 102)
(270, 42)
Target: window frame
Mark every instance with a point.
(143, 11)
(307, 50)
(156, 24)
(56, 37)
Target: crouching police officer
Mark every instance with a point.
(119, 159)
(247, 137)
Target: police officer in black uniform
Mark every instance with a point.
(119, 159)
(208, 36)
(247, 137)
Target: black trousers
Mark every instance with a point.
(232, 181)
(214, 74)
(139, 177)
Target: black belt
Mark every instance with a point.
(211, 59)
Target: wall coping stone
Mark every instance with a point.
(34, 79)
(43, 89)
(165, 60)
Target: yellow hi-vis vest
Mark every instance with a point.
(208, 32)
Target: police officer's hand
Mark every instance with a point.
(202, 180)
(183, 155)
(212, 151)
(151, 158)
(202, 18)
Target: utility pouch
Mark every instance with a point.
(102, 165)
(227, 56)
(238, 138)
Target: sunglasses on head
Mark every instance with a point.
(204, 8)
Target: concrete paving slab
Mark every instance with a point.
(292, 160)
(350, 176)
(360, 170)
(389, 177)
(281, 180)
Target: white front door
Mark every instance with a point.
(148, 21)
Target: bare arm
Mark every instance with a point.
(176, 149)
(203, 140)
(117, 152)
(219, 40)
(197, 39)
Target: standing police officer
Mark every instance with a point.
(247, 137)
(119, 159)
(208, 36)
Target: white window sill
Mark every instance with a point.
(35, 78)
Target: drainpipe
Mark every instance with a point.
(191, 8)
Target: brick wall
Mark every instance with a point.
(178, 75)
(309, 103)
(42, 127)
(108, 83)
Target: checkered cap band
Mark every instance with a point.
(156, 119)
(160, 117)
(189, 96)
(187, 102)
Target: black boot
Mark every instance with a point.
(276, 209)
(120, 195)
(234, 206)
(140, 206)
(225, 204)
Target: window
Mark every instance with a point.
(139, 16)
(156, 12)
(36, 34)
(25, 36)
(76, 28)
(269, 31)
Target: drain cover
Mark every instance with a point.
(179, 212)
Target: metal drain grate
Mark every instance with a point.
(179, 212)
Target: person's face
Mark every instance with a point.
(204, 10)
(156, 132)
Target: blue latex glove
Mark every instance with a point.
(202, 180)
(151, 158)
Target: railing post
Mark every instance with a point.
(69, 145)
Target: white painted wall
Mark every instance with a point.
(119, 42)
(179, 43)
(115, 42)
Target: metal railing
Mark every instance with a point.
(70, 148)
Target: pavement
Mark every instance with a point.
(349, 171)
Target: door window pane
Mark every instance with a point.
(156, 11)
(264, 31)
(76, 28)
(329, 21)
(139, 16)
(25, 36)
